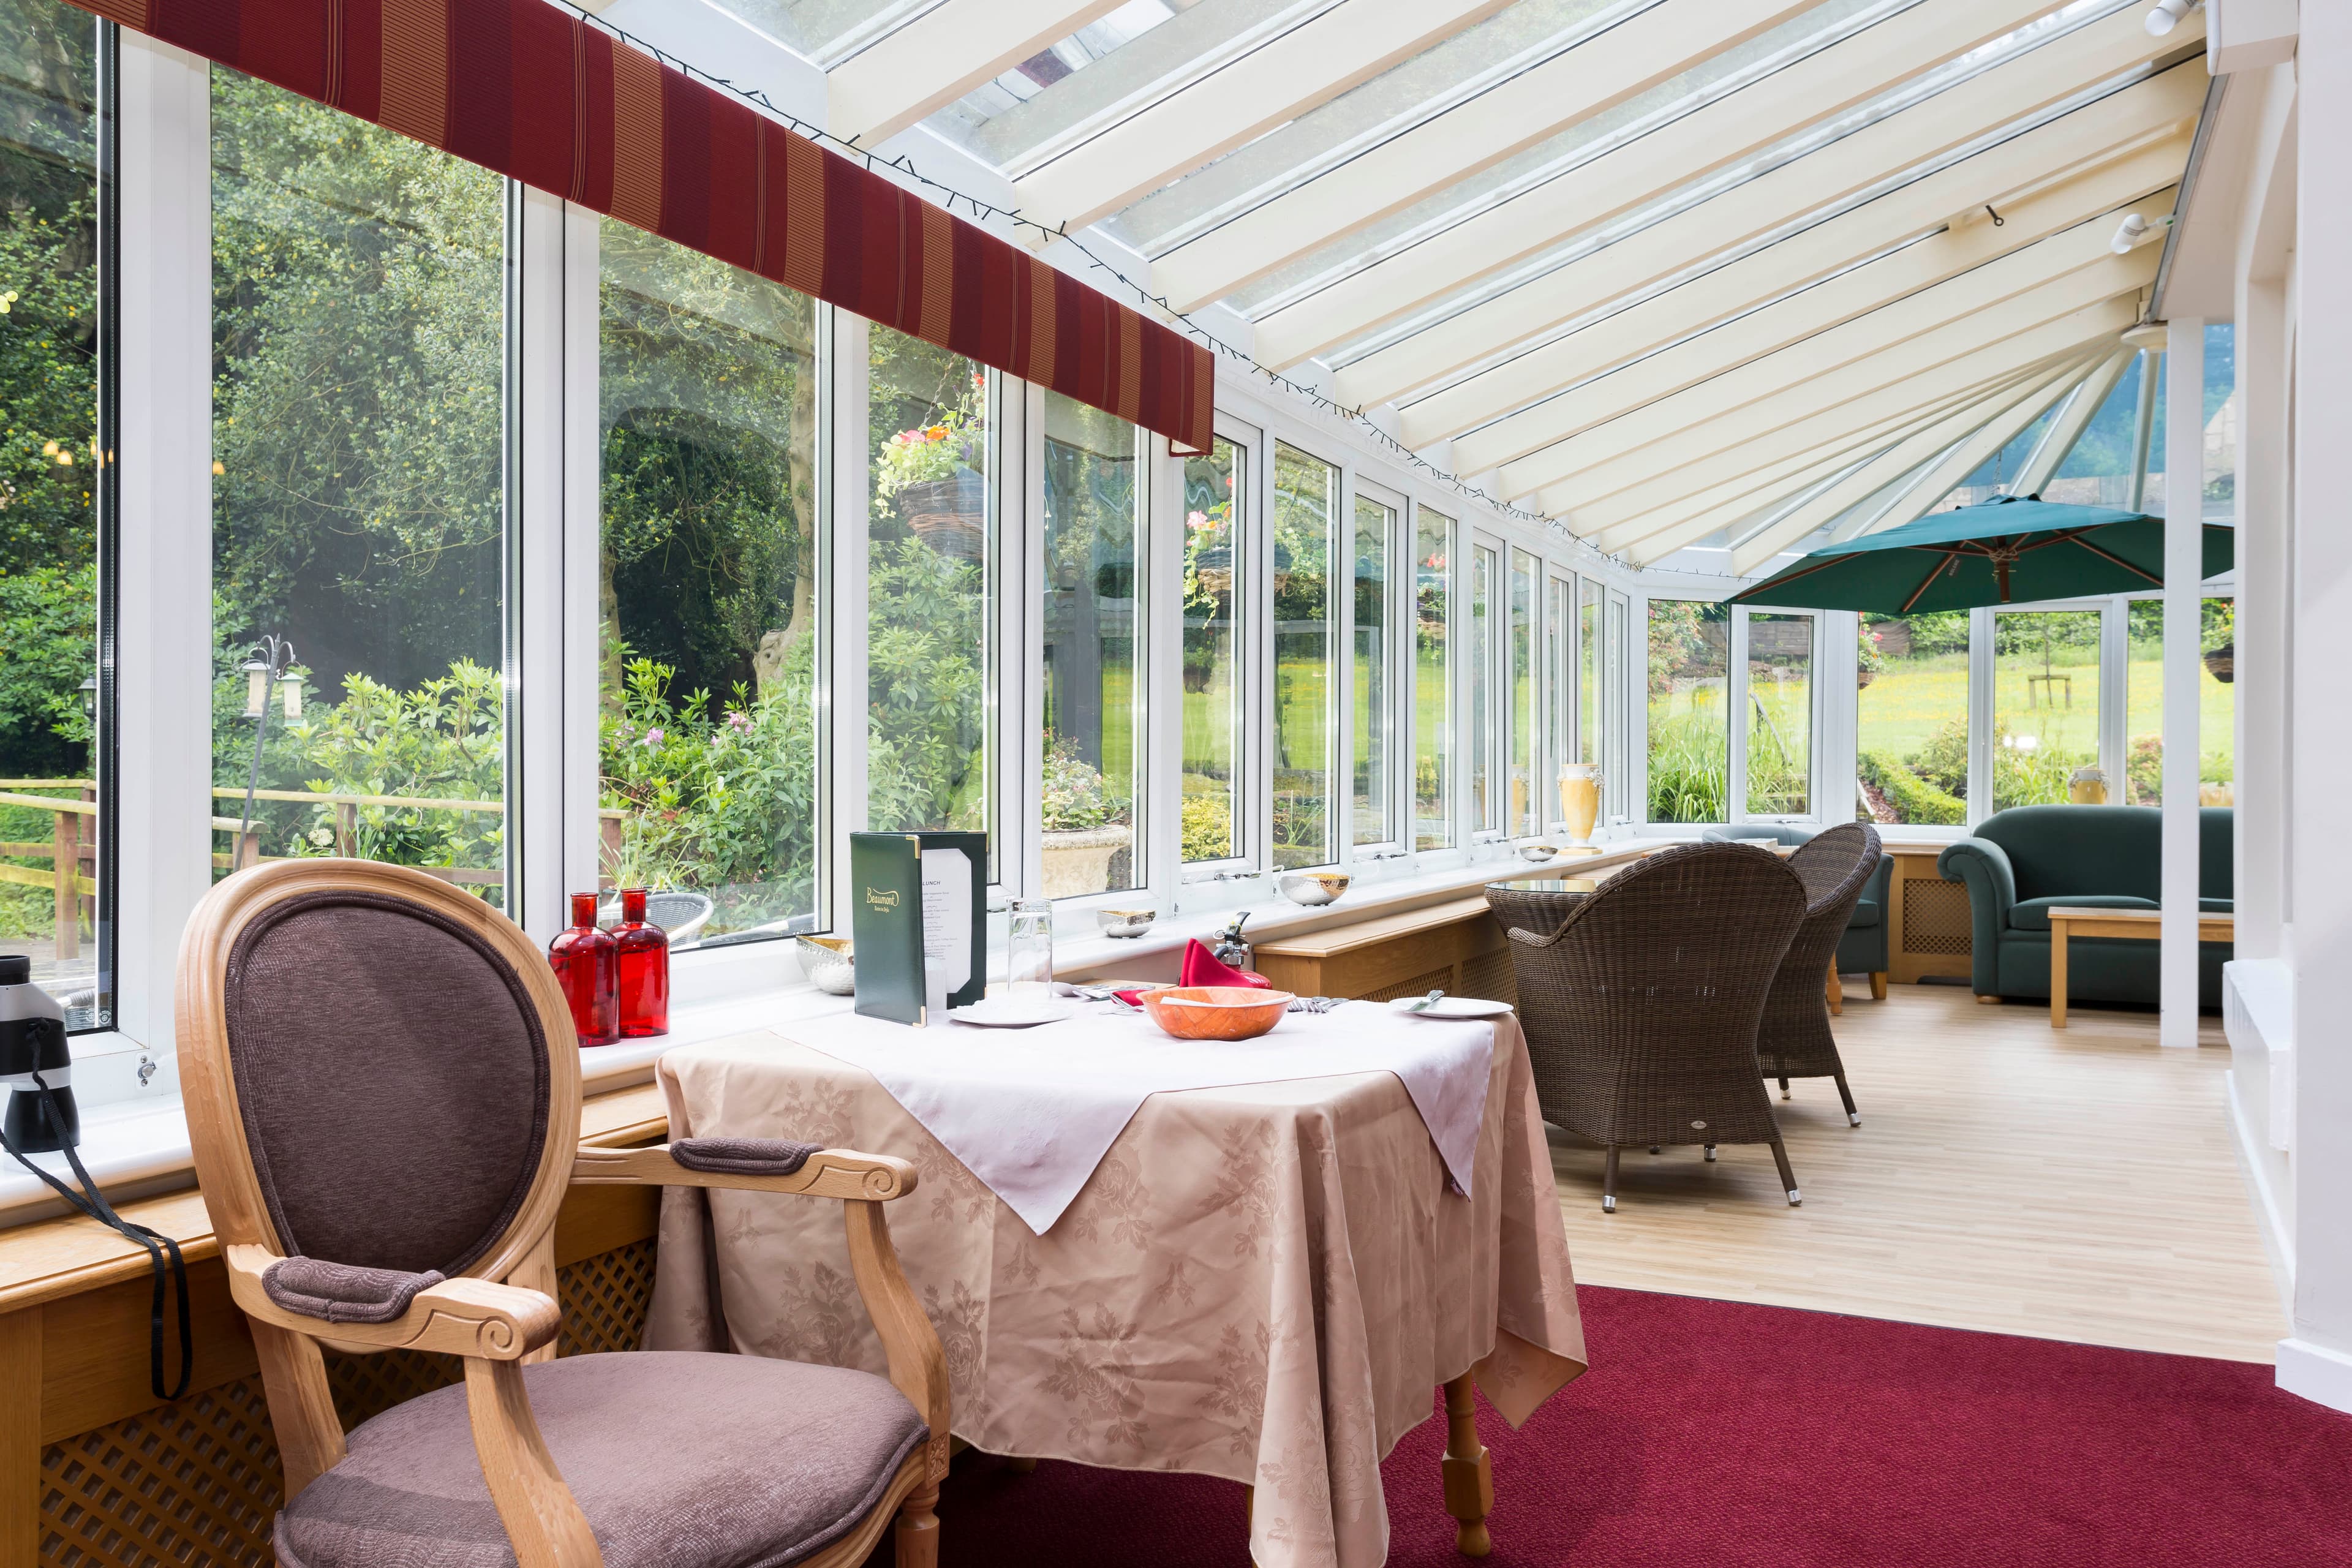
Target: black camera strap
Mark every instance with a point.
(164, 1257)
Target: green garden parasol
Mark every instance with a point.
(2009, 550)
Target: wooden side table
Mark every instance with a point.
(2137, 925)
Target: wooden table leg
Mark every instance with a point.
(1835, 992)
(2057, 974)
(1469, 1478)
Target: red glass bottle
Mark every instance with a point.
(645, 969)
(587, 967)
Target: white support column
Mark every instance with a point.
(1980, 715)
(2184, 527)
(2262, 620)
(2316, 1361)
(162, 652)
(584, 544)
(537, 875)
(849, 497)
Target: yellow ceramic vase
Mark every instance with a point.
(1580, 800)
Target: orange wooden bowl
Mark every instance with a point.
(1215, 1012)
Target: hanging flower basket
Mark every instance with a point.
(2221, 662)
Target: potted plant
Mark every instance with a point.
(931, 477)
(2218, 639)
(1084, 822)
(1869, 656)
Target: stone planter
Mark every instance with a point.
(1078, 861)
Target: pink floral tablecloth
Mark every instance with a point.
(1263, 1283)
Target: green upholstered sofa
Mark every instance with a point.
(2022, 861)
(1862, 949)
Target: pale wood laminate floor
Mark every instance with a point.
(2076, 1185)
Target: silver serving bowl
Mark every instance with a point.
(1125, 923)
(1314, 888)
(1536, 852)
(830, 963)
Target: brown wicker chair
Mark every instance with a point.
(1641, 1009)
(1540, 910)
(1794, 1041)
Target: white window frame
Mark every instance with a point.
(1396, 719)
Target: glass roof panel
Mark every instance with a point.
(1405, 95)
(1143, 50)
(824, 30)
(1817, 29)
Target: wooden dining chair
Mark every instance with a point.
(384, 1097)
(1795, 1038)
(1641, 1009)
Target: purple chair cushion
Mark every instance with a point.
(339, 1294)
(743, 1156)
(393, 1078)
(679, 1460)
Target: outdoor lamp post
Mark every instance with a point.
(272, 658)
(90, 696)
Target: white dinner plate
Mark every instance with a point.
(1004, 1013)
(1454, 1007)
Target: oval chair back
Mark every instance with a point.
(1795, 1039)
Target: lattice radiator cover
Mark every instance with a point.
(198, 1482)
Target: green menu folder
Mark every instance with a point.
(919, 922)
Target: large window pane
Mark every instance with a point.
(48, 531)
(1911, 730)
(1373, 769)
(1486, 809)
(709, 588)
(2216, 705)
(1527, 796)
(358, 333)
(1587, 672)
(931, 569)
(1432, 717)
(1305, 506)
(1215, 488)
(1780, 715)
(1093, 635)
(1560, 686)
(2045, 704)
(1690, 755)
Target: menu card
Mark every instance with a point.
(918, 922)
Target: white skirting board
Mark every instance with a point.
(2316, 1372)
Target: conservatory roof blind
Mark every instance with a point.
(1669, 272)
(543, 96)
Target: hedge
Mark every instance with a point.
(1914, 797)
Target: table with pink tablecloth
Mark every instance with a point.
(1262, 1283)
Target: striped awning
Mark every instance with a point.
(543, 96)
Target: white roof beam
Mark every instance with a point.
(1957, 463)
(1976, 108)
(1775, 465)
(1959, 269)
(1767, 434)
(1202, 120)
(1821, 87)
(1998, 424)
(1636, 55)
(2041, 283)
(935, 59)
(1767, 279)
(2067, 428)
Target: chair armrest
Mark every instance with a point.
(826, 1173)
(1991, 882)
(459, 1317)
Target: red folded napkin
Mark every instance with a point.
(1202, 967)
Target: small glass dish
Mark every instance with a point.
(1125, 923)
(830, 964)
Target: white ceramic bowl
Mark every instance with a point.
(1314, 888)
(1125, 923)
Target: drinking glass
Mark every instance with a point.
(1029, 948)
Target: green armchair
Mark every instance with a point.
(2024, 861)
(1862, 949)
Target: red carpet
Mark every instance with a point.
(1718, 1435)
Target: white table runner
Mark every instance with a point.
(1032, 1112)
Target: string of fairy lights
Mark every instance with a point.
(985, 210)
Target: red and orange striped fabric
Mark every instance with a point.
(537, 94)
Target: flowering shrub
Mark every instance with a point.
(1076, 796)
